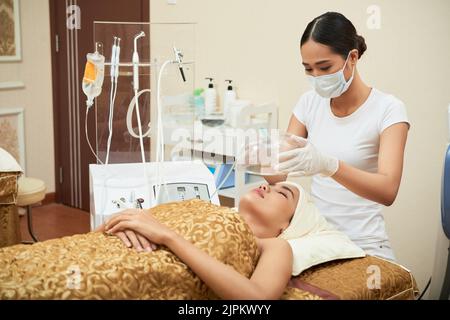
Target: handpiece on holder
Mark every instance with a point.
(115, 63)
(136, 91)
(179, 60)
(136, 61)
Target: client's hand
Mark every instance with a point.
(133, 239)
(129, 237)
(140, 222)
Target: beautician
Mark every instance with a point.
(356, 135)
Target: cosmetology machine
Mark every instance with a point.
(129, 117)
(135, 185)
(440, 281)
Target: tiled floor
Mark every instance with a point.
(55, 221)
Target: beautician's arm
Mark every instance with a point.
(268, 281)
(382, 186)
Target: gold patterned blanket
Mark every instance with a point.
(97, 266)
(368, 278)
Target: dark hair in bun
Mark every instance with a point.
(333, 29)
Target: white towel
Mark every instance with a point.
(312, 239)
(8, 163)
(306, 219)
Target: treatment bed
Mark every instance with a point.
(354, 279)
(98, 266)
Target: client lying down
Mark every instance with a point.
(267, 210)
(204, 251)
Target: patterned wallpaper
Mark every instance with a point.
(7, 37)
(9, 133)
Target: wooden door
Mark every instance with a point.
(72, 24)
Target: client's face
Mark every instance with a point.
(269, 208)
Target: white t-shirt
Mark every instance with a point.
(354, 139)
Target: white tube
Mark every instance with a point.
(136, 90)
(87, 136)
(224, 179)
(138, 115)
(159, 109)
(160, 136)
(111, 118)
(130, 116)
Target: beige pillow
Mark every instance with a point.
(314, 249)
(313, 240)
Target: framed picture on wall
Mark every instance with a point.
(12, 133)
(10, 49)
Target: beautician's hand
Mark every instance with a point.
(306, 161)
(143, 223)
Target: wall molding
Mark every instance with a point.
(11, 85)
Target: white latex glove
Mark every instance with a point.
(306, 161)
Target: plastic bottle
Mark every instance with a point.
(94, 74)
(228, 98)
(210, 98)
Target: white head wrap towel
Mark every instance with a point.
(312, 239)
(306, 219)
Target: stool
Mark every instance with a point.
(31, 191)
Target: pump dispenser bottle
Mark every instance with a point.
(228, 97)
(210, 98)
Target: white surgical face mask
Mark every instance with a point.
(331, 85)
